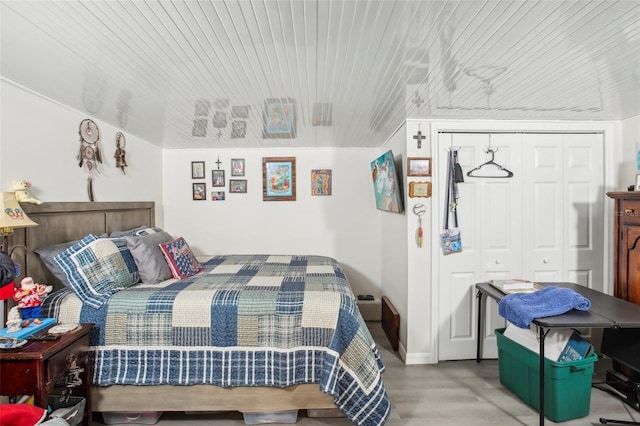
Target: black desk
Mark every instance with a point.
(605, 312)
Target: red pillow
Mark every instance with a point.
(181, 260)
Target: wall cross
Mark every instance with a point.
(419, 138)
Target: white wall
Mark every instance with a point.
(419, 316)
(393, 240)
(628, 168)
(345, 225)
(39, 143)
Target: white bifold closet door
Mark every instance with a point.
(546, 223)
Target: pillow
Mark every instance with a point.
(152, 265)
(127, 232)
(97, 268)
(47, 253)
(147, 231)
(180, 258)
(136, 232)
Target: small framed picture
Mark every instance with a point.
(217, 195)
(237, 167)
(238, 186)
(217, 177)
(419, 166)
(637, 182)
(420, 189)
(200, 191)
(197, 170)
(320, 182)
(279, 178)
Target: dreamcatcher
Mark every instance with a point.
(89, 155)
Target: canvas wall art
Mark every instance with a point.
(386, 185)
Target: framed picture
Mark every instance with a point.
(197, 170)
(420, 189)
(419, 166)
(238, 186)
(279, 178)
(217, 177)
(217, 195)
(320, 182)
(200, 191)
(237, 167)
(386, 185)
(637, 182)
(279, 118)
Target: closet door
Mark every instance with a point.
(564, 211)
(546, 223)
(489, 211)
(543, 207)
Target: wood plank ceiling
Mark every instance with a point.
(193, 74)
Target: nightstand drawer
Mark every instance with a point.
(18, 378)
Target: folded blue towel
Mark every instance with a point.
(521, 308)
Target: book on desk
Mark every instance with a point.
(515, 285)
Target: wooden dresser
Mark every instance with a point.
(626, 281)
(626, 217)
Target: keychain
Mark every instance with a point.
(419, 210)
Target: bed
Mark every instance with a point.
(249, 333)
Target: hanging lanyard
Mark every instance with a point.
(451, 202)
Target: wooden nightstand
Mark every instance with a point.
(48, 367)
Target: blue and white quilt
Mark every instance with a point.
(245, 320)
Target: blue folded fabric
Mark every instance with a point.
(521, 308)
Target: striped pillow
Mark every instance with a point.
(97, 268)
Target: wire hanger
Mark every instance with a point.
(501, 168)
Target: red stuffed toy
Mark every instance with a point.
(21, 415)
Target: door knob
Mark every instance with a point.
(545, 260)
(498, 261)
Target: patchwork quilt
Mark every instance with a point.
(245, 320)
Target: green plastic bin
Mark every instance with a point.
(567, 385)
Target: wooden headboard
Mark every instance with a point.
(70, 221)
